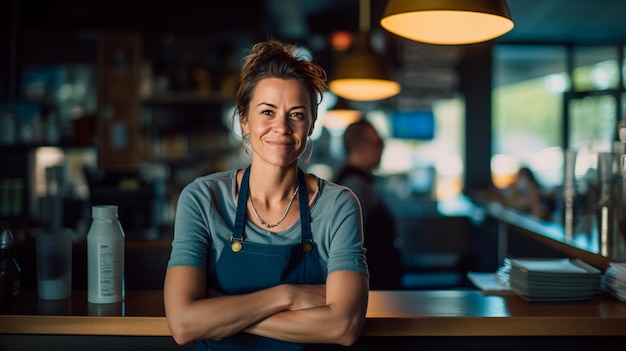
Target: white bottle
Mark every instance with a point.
(105, 256)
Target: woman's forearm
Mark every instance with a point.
(314, 325)
(219, 317)
(331, 313)
(191, 315)
(338, 322)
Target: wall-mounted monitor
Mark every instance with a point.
(418, 125)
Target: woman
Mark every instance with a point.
(268, 257)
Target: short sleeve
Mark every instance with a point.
(346, 249)
(191, 232)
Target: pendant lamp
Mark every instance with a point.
(362, 74)
(341, 116)
(447, 22)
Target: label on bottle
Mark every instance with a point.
(110, 264)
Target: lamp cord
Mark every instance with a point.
(364, 16)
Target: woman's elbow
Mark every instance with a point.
(349, 339)
(349, 333)
(186, 331)
(181, 333)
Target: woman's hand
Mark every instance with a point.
(307, 296)
(301, 296)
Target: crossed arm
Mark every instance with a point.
(330, 313)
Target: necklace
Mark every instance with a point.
(272, 225)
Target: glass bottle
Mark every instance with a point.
(607, 203)
(105, 256)
(569, 193)
(10, 274)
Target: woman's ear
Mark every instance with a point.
(244, 127)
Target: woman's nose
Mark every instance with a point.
(282, 124)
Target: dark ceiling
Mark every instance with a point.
(301, 21)
(571, 21)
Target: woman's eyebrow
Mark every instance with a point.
(298, 106)
(266, 103)
(274, 106)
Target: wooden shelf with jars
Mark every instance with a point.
(140, 119)
(182, 126)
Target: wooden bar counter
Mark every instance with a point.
(390, 313)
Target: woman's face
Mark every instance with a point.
(279, 121)
(370, 148)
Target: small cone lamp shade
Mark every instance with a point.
(340, 116)
(362, 74)
(447, 22)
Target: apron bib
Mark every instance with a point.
(244, 267)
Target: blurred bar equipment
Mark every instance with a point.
(55, 194)
(620, 211)
(569, 192)
(605, 204)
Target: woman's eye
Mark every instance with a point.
(266, 112)
(298, 115)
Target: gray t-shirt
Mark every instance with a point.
(205, 216)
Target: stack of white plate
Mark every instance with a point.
(559, 279)
(614, 280)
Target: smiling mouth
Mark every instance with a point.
(280, 143)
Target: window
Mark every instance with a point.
(592, 122)
(537, 112)
(529, 82)
(595, 68)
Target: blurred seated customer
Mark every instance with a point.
(364, 147)
(525, 194)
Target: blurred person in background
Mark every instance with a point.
(526, 195)
(364, 148)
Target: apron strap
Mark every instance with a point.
(240, 219)
(305, 215)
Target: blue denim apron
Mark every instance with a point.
(244, 267)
